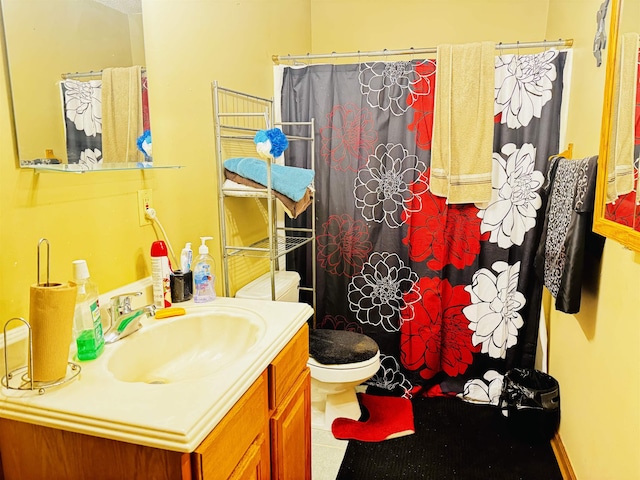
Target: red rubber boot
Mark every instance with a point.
(389, 417)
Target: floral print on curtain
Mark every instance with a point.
(448, 292)
(83, 121)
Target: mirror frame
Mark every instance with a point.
(625, 235)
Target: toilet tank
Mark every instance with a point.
(287, 284)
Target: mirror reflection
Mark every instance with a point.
(78, 84)
(623, 156)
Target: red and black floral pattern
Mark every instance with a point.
(438, 338)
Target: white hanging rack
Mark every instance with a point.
(415, 51)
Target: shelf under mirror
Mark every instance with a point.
(110, 167)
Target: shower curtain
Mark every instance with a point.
(447, 291)
(82, 101)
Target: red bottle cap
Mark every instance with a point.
(159, 249)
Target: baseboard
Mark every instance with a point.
(563, 459)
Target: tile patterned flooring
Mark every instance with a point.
(326, 454)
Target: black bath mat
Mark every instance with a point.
(453, 440)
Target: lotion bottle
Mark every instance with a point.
(87, 321)
(203, 276)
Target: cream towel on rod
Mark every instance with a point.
(620, 161)
(121, 114)
(462, 149)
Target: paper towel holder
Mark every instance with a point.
(48, 283)
(21, 378)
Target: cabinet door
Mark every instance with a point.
(291, 433)
(252, 466)
(231, 443)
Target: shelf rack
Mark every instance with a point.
(238, 116)
(108, 167)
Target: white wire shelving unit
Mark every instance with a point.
(238, 116)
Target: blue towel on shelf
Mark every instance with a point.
(289, 181)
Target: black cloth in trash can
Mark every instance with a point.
(531, 402)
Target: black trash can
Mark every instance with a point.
(531, 402)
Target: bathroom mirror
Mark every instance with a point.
(46, 39)
(617, 205)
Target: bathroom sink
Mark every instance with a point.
(190, 347)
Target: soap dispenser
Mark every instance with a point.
(203, 276)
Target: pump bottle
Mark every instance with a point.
(87, 321)
(203, 276)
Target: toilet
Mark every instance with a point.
(339, 361)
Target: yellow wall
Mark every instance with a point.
(352, 25)
(593, 354)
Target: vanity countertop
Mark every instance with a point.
(175, 416)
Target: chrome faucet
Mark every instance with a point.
(123, 320)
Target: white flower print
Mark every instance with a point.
(389, 377)
(391, 85)
(514, 204)
(523, 86)
(378, 293)
(91, 159)
(493, 315)
(478, 391)
(382, 189)
(83, 105)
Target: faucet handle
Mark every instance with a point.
(121, 304)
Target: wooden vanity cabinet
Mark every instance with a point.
(33, 452)
(266, 434)
(290, 407)
(273, 418)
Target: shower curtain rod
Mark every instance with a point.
(97, 73)
(499, 46)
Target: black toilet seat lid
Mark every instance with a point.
(339, 347)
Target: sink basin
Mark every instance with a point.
(186, 348)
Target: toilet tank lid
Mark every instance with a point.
(339, 347)
(260, 288)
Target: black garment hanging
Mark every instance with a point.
(568, 242)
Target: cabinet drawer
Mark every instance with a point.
(287, 366)
(219, 454)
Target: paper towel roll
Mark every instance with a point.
(51, 309)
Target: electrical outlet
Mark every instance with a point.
(144, 203)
